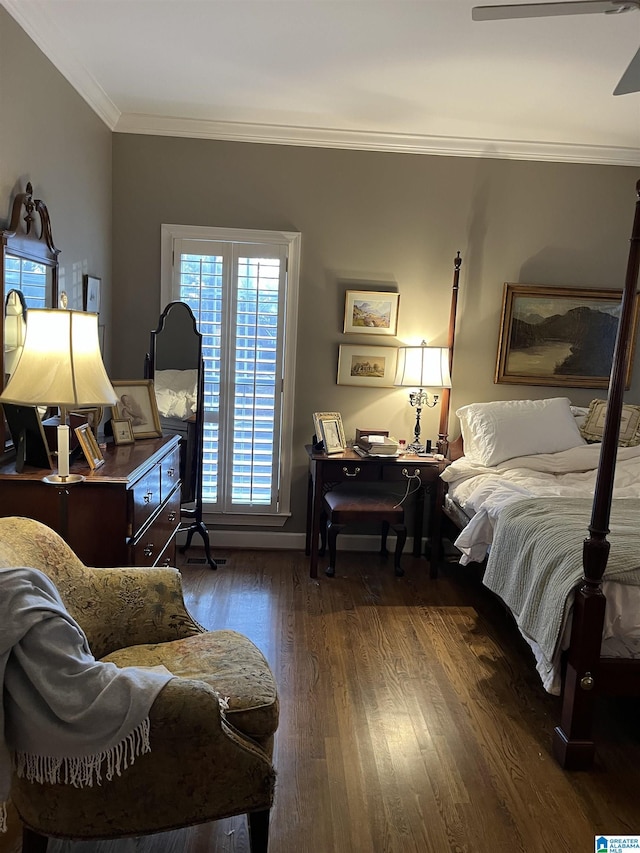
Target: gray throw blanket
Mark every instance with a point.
(66, 718)
(535, 560)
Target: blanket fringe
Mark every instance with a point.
(85, 771)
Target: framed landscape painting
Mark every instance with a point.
(558, 336)
(373, 367)
(371, 312)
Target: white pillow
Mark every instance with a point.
(494, 432)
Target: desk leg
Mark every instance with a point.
(417, 521)
(315, 525)
(307, 536)
(435, 528)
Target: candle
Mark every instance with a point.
(63, 450)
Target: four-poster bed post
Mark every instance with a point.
(443, 429)
(586, 673)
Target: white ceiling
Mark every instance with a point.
(397, 75)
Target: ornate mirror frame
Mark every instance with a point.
(29, 238)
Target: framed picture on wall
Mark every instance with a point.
(369, 367)
(560, 336)
(368, 312)
(91, 293)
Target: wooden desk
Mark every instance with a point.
(126, 512)
(325, 472)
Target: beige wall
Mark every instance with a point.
(366, 218)
(371, 219)
(51, 137)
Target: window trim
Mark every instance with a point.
(292, 241)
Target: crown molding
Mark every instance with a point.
(504, 149)
(38, 24)
(35, 20)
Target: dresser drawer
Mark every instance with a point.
(352, 471)
(169, 473)
(153, 541)
(146, 498)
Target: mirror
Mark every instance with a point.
(29, 268)
(176, 367)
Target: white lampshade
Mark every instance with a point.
(423, 367)
(60, 363)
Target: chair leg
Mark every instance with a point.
(259, 831)
(332, 535)
(383, 544)
(401, 538)
(33, 842)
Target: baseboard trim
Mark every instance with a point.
(270, 540)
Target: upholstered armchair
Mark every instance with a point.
(206, 761)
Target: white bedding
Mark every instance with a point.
(482, 492)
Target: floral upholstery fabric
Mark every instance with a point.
(204, 763)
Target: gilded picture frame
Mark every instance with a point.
(89, 445)
(137, 402)
(559, 336)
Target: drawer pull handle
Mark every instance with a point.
(171, 472)
(148, 496)
(347, 473)
(409, 475)
(172, 516)
(148, 549)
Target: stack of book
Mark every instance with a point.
(377, 442)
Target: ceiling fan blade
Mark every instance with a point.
(630, 80)
(543, 10)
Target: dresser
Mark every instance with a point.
(125, 513)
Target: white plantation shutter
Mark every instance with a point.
(238, 291)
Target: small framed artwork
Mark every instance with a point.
(137, 403)
(560, 336)
(319, 417)
(331, 436)
(373, 367)
(91, 294)
(122, 431)
(89, 445)
(369, 312)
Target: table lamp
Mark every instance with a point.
(422, 367)
(61, 366)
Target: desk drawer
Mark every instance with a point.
(400, 472)
(352, 471)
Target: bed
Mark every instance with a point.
(547, 497)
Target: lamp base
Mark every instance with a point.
(69, 480)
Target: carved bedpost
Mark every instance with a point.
(443, 429)
(572, 742)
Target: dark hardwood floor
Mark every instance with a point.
(412, 720)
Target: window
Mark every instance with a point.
(242, 287)
(29, 277)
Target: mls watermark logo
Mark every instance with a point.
(616, 843)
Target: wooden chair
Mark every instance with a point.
(344, 507)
